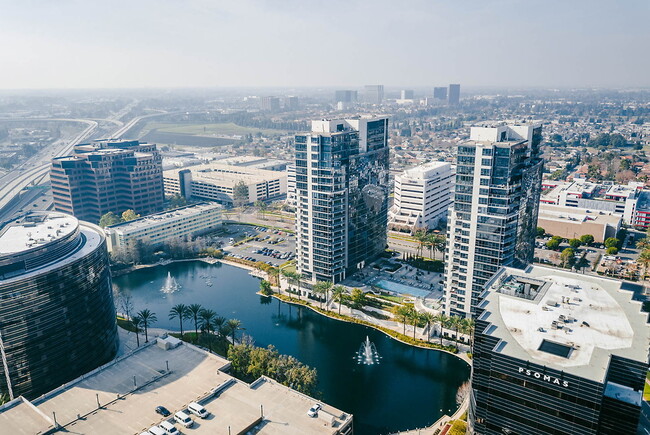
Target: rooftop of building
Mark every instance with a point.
(575, 215)
(581, 187)
(164, 216)
(427, 170)
(131, 387)
(228, 175)
(34, 230)
(565, 321)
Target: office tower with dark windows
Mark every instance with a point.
(57, 316)
(440, 93)
(108, 176)
(345, 96)
(341, 196)
(373, 94)
(493, 220)
(454, 95)
(556, 353)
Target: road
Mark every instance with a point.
(36, 169)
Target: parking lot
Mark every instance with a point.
(271, 246)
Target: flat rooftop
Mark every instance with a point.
(35, 230)
(575, 215)
(163, 217)
(228, 175)
(563, 320)
(129, 389)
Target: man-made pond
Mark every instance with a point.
(409, 388)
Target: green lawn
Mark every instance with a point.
(228, 129)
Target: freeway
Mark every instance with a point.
(35, 170)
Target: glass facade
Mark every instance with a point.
(342, 199)
(493, 220)
(57, 318)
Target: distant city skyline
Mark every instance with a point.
(70, 44)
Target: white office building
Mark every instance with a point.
(422, 196)
(157, 228)
(217, 182)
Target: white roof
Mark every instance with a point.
(595, 318)
(28, 234)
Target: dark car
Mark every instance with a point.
(162, 411)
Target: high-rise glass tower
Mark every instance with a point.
(454, 95)
(493, 220)
(341, 196)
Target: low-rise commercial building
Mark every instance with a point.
(217, 182)
(157, 228)
(573, 222)
(629, 201)
(557, 353)
(422, 196)
(121, 397)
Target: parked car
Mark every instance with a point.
(313, 411)
(162, 411)
(169, 428)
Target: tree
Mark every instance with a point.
(420, 236)
(240, 194)
(129, 215)
(467, 327)
(429, 318)
(234, 325)
(587, 239)
(338, 294)
(553, 244)
(644, 243)
(612, 242)
(293, 278)
(415, 320)
(575, 243)
(136, 321)
(265, 288)
(321, 288)
(194, 310)
(540, 232)
(455, 323)
(176, 201)
(644, 260)
(148, 318)
(220, 327)
(403, 313)
(109, 219)
(441, 319)
(612, 250)
(567, 257)
(180, 311)
(357, 298)
(206, 319)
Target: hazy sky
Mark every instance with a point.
(196, 43)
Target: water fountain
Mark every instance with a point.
(367, 353)
(171, 285)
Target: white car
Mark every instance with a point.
(169, 428)
(313, 411)
(184, 419)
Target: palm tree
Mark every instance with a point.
(180, 311)
(468, 328)
(644, 243)
(420, 236)
(206, 317)
(234, 325)
(193, 313)
(338, 294)
(644, 260)
(456, 323)
(441, 319)
(293, 278)
(321, 288)
(403, 313)
(218, 323)
(136, 321)
(430, 319)
(440, 243)
(148, 318)
(415, 319)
